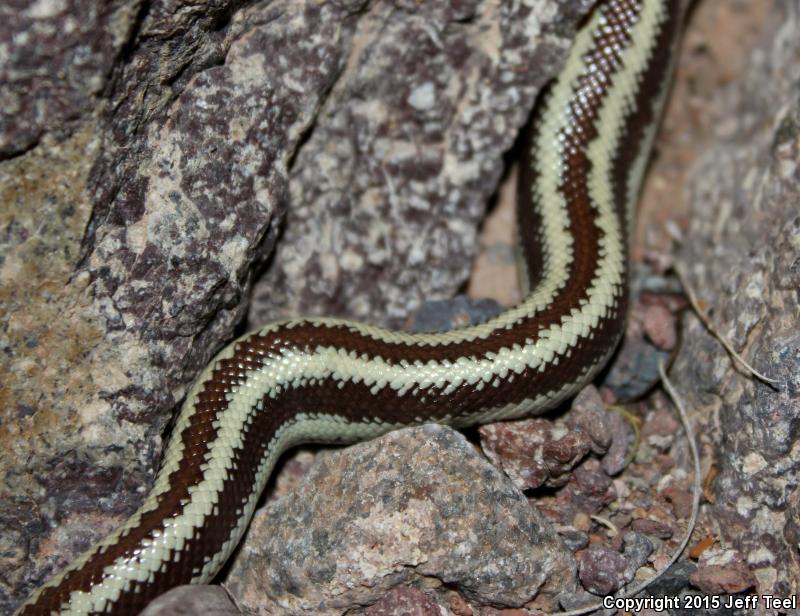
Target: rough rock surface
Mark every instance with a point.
(145, 149)
(535, 452)
(56, 57)
(742, 255)
(128, 246)
(604, 571)
(389, 188)
(360, 523)
(459, 311)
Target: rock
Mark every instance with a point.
(717, 579)
(47, 82)
(636, 550)
(622, 441)
(410, 145)
(588, 413)
(659, 326)
(574, 539)
(534, 452)
(490, 611)
(192, 601)
(611, 435)
(661, 530)
(740, 255)
(660, 427)
(459, 607)
(446, 314)
(131, 231)
(602, 570)
(589, 487)
(722, 572)
(414, 505)
(681, 501)
(145, 154)
(674, 581)
(579, 600)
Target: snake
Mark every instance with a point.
(329, 380)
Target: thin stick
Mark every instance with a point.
(692, 297)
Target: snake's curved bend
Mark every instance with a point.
(335, 381)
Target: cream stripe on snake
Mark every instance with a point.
(283, 384)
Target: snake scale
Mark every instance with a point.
(335, 381)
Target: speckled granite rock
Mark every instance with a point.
(129, 242)
(742, 254)
(144, 154)
(389, 188)
(362, 523)
(56, 57)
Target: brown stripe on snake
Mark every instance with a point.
(529, 220)
(605, 56)
(646, 109)
(591, 89)
(355, 402)
(282, 398)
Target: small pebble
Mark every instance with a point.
(534, 452)
(574, 539)
(588, 413)
(621, 432)
(681, 501)
(637, 549)
(652, 527)
(718, 579)
(601, 570)
(659, 326)
(582, 521)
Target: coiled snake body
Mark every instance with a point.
(335, 381)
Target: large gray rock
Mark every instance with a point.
(388, 191)
(742, 255)
(416, 505)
